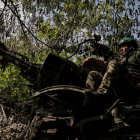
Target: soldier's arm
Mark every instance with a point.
(138, 56)
(100, 63)
(137, 86)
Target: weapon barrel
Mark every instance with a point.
(28, 70)
(15, 60)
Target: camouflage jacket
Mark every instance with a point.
(132, 61)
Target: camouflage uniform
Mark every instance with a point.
(116, 83)
(93, 80)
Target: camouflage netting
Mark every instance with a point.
(17, 120)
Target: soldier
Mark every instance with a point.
(121, 79)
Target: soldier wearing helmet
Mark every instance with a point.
(121, 79)
(130, 41)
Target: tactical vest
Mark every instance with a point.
(131, 60)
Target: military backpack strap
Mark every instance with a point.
(124, 59)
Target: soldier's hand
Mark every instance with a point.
(137, 87)
(86, 61)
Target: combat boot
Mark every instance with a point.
(96, 99)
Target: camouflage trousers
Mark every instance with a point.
(116, 83)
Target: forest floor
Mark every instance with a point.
(24, 121)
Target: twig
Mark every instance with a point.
(5, 4)
(79, 46)
(19, 18)
(3, 113)
(2, 11)
(27, 28)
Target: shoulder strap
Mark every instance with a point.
(128, 54)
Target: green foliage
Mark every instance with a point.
(79, 60)
(46, 30)
(13, 85)
(59, 24)
(65, 55)
(72, 16)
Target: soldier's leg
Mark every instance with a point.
(105, 90)
(93, 80)
(117, 83)
(110, 83)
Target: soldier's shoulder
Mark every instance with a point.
(137, 52)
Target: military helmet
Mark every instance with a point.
(130, 41)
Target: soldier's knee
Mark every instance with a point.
(113, 66)
(113, 63)
(95, 75)
(92, 73)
